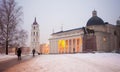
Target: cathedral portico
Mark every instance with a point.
(66, 43)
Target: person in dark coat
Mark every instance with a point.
(33, 51)
(19, 53)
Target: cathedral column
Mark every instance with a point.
(81, 45)
(68, 46)
(76, 45)
(73, 49)
(57, 46)
(65, 49)
(71, 45)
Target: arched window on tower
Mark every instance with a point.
(34, 33)
(34, 27)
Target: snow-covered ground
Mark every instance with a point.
(4, 57)
(81, 62)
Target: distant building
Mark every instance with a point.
(35, 36)
(44, 48)
(96, 36)
(118, 22)
(118, 33)
(25, 50)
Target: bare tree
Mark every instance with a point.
(20, 38)
(10, 18)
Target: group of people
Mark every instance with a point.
(19, 51)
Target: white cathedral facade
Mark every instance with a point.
(35, 36)
(97, 35)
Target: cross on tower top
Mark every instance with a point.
(94, 13)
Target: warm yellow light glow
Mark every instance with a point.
(80, 41)
(104, 39)
(66, 46)
(45, 48)
(61, 46)
(61, 43)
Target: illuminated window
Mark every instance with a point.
(61, 43)
(61, 46)
(104, 39)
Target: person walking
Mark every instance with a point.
(19, 53)
(33, 51)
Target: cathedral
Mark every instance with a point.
(96, 36)
(35, 36)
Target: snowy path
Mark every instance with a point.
(4, 57)
(70, 63)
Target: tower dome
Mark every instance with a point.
(95, 20)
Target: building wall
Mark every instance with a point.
(118, 38)
(44, 48)
(53, 46)
(113, 37)
(103, 42)
(106, 40)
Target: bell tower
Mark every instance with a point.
(35, 44)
